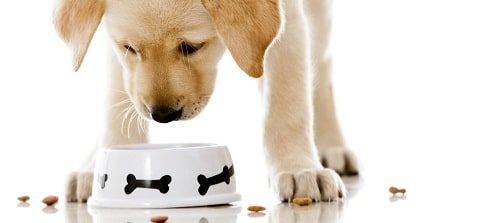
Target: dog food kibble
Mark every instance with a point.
(395, 190)
(23, 198)
(159, 219)
(302, 201)
(50, 200)
(256, 208)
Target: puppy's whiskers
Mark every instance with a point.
(140, 124)
(119, 91)
(128, 110)
(132, 117)
(120, 103)
(123, 111)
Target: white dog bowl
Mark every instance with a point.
(163, 176)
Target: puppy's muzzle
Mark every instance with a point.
(165, 114)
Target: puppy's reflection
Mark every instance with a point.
(77, 213)
(324, 212)
(353, 185)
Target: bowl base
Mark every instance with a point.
(208, 200)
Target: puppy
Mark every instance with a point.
(163, 63)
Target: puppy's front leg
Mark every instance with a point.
(122, 125)
(294, 166)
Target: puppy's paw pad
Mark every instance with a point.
(340, 159)
(319, 185)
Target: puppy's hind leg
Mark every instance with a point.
(328, 138)
(122, 126)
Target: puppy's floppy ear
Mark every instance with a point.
(247, 27)
(76, 22)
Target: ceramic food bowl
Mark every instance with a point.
(163, 176)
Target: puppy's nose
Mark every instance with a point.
(165, 114)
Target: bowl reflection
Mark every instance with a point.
(80, 213)
(279, 213)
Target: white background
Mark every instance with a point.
(417, 85)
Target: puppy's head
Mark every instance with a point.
(169, 49)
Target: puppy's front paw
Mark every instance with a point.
(320, 185)
(339, 159)
(79, 186)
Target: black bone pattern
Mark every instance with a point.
(161, 184)
(206, 183)
(101, 179)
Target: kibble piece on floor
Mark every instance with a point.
(256, 208)
(159, 219)
(395, 190)
(302, 201)
(50, 200)
(23, 198)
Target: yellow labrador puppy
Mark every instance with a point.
(164, 55)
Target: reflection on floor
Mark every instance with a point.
(276, 212)
(281, 213)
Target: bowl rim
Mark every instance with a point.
(163, 146)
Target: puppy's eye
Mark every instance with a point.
(129, 49)
(187, 49)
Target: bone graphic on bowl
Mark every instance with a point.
(101, 179)
(161, 184)
(206, 183)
